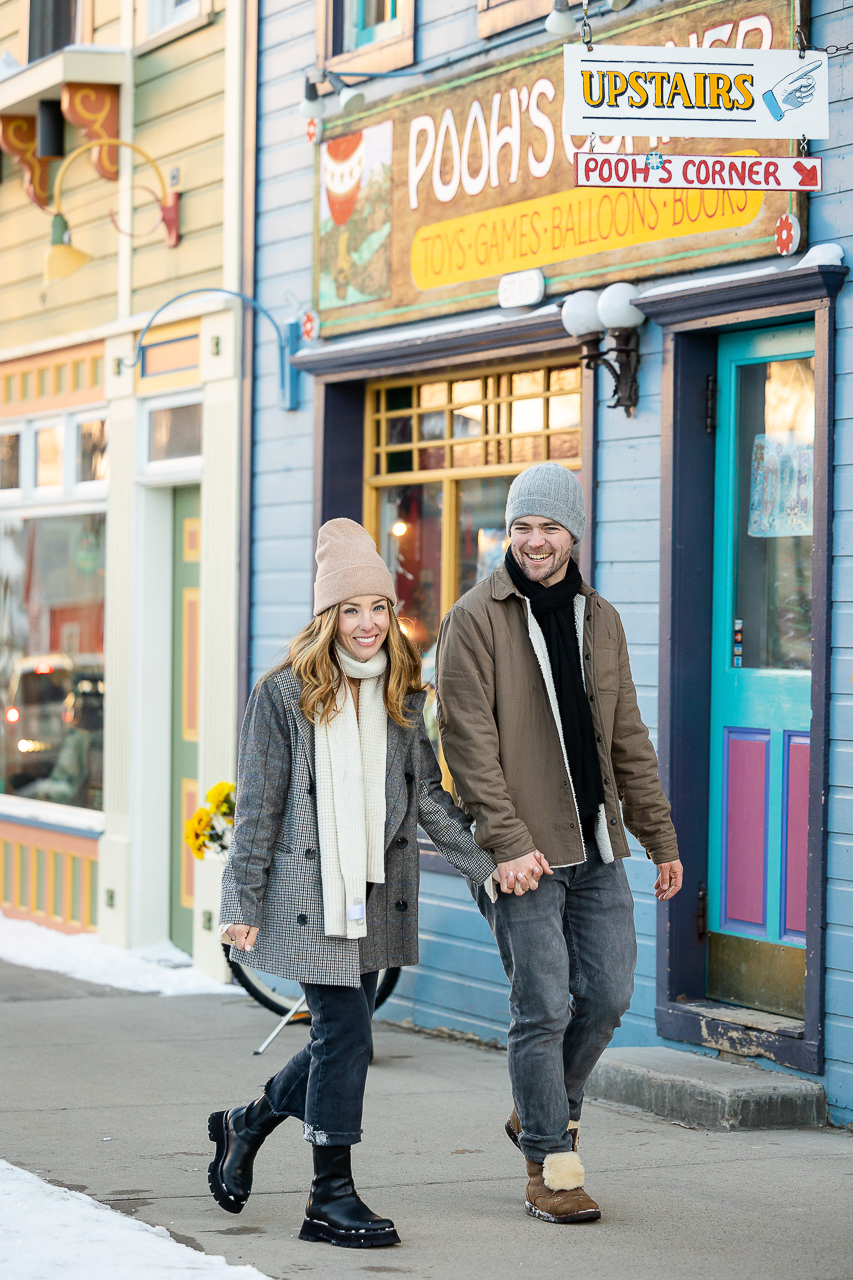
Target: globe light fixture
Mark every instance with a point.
(586, 315)
(580, 314)
(312, 105)
(559, 21)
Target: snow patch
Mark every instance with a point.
(161, 968)
(47, 1231)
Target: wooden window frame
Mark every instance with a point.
(691, 320)
(494, 16)
(383, 55)
(84, 33)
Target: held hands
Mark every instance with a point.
(669, 879)
(521, 874)
(241, 935)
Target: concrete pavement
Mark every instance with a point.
(108, 1093)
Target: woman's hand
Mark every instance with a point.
(241, 935)
(522, 874)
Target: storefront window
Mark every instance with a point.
(9, 478)
(92, 451)
(48, 457)
(52, 658)
(175, 432)
(441, 455)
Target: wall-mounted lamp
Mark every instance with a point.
(559, 21)
(587, 315)
(62, 259)
(350, 97)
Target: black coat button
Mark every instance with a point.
(598, 739)
(301, 919)
(588, 657)
(607, 782)
(592, 697)
(410, 777)
(401, 842)
(310, 853)
(310, 788)
(572, 825)
(401, 906)
(613, 822)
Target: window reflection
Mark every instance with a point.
(51, 658)
(48, 457)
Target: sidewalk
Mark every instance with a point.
(108, 1092)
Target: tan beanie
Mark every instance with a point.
(348, 565)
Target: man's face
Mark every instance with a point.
(541, 548)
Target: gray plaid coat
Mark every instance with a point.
(272, 877)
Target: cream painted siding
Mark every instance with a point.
(107, 22)
(179, 121)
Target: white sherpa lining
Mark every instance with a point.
(537, 639)
(563, 1171)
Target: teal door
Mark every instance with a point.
(760, 678)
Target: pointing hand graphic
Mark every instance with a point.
(792, 92)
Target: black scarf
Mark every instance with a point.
(553, 609)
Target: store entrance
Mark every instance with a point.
(761, 678)
(185, 689)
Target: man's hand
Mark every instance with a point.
(522, 874)
(241, 935)
(669, 879)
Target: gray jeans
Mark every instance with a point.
(569, 951)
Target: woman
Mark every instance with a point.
(335, 773)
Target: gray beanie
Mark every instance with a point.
(547, 490)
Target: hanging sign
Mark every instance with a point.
(742, 172)
(696, 93)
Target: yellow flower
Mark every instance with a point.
(221, 797)
(196, 829)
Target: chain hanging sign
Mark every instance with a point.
(742, 172)
(696, 93)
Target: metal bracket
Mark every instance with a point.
(626, 350)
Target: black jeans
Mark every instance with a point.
(323, 1084)
(569, 951)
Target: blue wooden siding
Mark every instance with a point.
(459, 982)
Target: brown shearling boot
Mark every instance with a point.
(555, 1190)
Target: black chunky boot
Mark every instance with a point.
(239, 1134)
(335, 1212)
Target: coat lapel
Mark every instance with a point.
(396, 797)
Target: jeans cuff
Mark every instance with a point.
(330, 1138)
(538, 1151)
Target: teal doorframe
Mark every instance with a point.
(757, 712)
(691, 320)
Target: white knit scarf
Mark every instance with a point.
(350, 752)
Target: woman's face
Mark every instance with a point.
(363, 625)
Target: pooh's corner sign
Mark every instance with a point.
(696, 93)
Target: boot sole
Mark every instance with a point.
(512, 1135)
(322, 1233)
(216, 1133)
(587, 1215)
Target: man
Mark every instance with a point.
(541, 730)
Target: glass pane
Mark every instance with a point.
(468, 421)
(398, 398)
(410, 544)
(402, 461)
(463, 392)
(531, 449)
(92, 454)
(467, 455)
(775, 513)
(399, 430)
(9, 462)
(432, 459)
(564, 411)
(48, 457)
(175, 433)
(432, 394)
(482, 531)
(565, 446)
(528, 384)
(565, 379)
(51, 658)
(432, 426)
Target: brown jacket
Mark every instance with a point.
(501, 740)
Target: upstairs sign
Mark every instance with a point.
(696, 93)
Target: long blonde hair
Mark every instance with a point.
(312, 659)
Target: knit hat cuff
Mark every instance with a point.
(357, 580)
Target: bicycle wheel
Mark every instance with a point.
(279, 995)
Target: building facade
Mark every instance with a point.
(119, 497)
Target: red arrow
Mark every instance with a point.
(807, 172)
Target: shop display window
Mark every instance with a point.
(9, 461)
(440, 455)
(48, 457)
(92, 451)
(174, 433)
(51, 658)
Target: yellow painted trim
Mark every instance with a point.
(192, 524)
(191, 599)
(189, 804)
